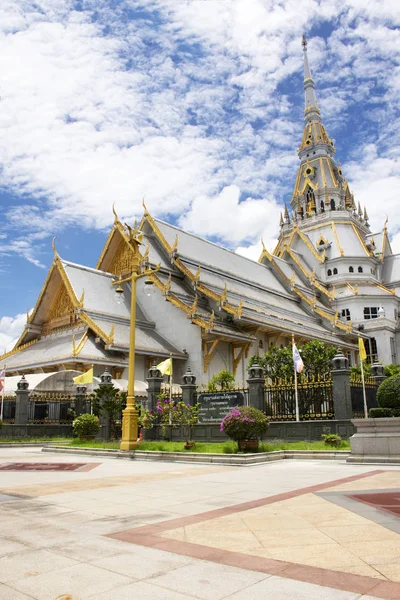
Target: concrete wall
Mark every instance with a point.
(37, 431)
(290, 432)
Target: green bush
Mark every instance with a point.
(380, 413)
(244, 423)
(332, 439)
(86, 425)
(388, 393)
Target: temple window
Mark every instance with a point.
(329, 273)
(346, 314)
(310, 197)
(360, 269)
(335, 271)
(333, 205)
(371, 350)
(371, 312)
(351, 269)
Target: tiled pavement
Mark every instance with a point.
(127, 530)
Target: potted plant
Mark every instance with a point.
(245, 425)
(86, 426)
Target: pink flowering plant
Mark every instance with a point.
(244, 423)
(175, 413)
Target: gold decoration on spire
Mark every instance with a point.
(146, 212)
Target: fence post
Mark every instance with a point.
(154, 380)
(106, 379)
(189, 387)
(80, 400)
(256, 383)
(377, 373)
(341, 387)
(21, 402)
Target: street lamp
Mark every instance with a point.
(130, 414)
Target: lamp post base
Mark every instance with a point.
(129, 429)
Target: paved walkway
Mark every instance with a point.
(117, 530)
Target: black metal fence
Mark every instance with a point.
(315, 401)
(357, 396)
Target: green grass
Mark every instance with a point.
(212, 447)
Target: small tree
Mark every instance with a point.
(278, 362)
(109, 401)
(224, 380)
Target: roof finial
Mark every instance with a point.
(365, 214)
(304, 43)
(115, 213)
(386, 222)
(53, 245)
(281, 221)
(146, 212)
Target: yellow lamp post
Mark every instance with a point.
(130, 414)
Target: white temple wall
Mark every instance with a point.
(173, 324)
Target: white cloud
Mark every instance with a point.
(88, 118)
(10, 330)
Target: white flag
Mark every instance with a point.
(297, 360)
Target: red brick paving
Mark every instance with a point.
(150, 536)
(48, 466)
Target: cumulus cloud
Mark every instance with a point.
(10, 330)
(189, 103)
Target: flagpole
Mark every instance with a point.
(296, 393)
(2, 394)
(364, 394)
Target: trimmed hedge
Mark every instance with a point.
(388, 394)
(380, 413)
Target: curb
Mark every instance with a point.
(197, 458)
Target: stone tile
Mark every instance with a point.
(366, 533)
(29, 563)
(79, 582)
(141, 591)
(10, 547)
(389, 570)
(92, 549)
(207, 580)
(289, 589)
(8, 593)
(142, 565)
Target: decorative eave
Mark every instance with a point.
(194, 278)
(107, 339)
(296, 231)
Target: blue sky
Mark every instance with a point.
(196, 105)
